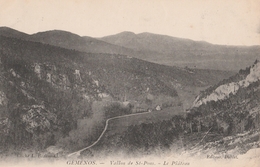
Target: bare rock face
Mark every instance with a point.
(223, 91)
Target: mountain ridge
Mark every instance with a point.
(161, 49)
(67, 40)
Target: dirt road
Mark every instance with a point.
(77, 153)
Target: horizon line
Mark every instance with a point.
(126, 31)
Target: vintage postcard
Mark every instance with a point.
(130, 83)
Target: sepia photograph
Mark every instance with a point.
(128, 83)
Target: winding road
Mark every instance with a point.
(77, 153)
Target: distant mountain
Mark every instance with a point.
(72, 41)
(184, 52)
(69, 40)
(153, 42)
(155, 48)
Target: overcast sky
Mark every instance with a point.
(229, 22)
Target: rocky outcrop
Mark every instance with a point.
(224, 91)
(36, 117)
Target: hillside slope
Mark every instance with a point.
(230, 108)
(233, 104)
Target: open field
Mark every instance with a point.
(121, 124)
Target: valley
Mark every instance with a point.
(137, 93)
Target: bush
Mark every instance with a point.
(117, 109)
